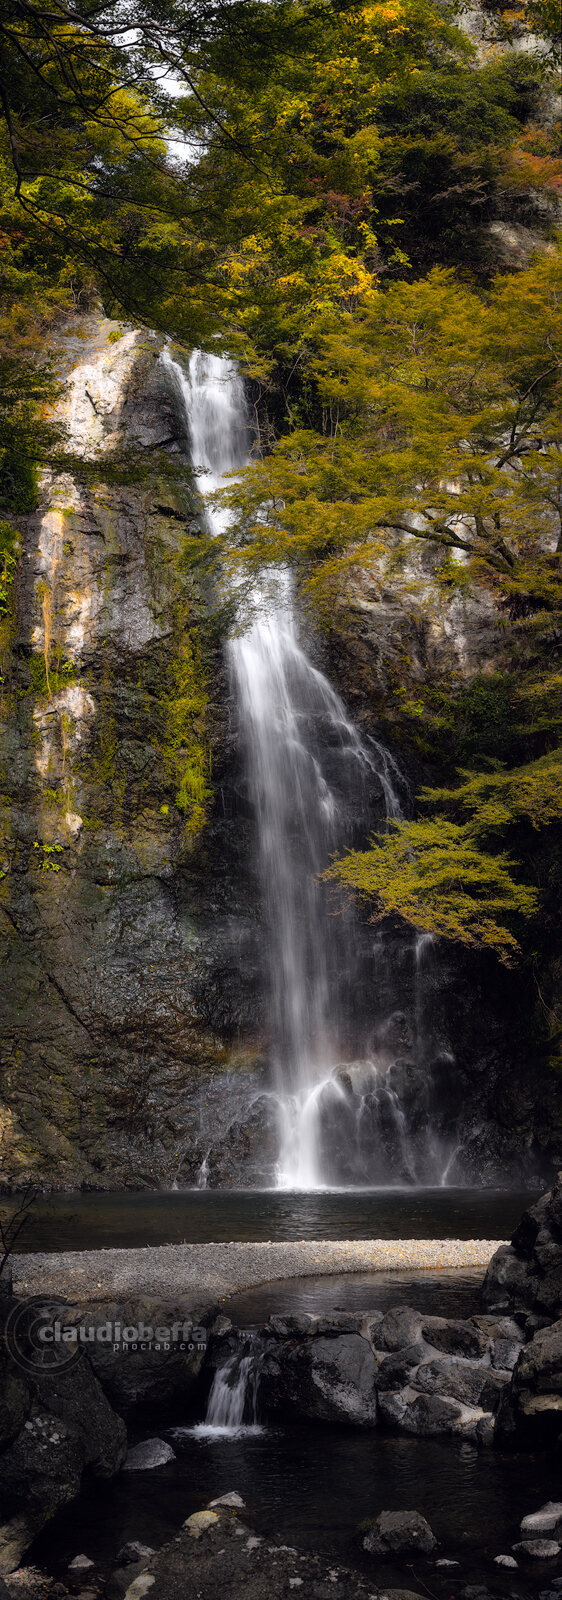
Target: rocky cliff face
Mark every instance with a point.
(107, 896)
(133, 1021)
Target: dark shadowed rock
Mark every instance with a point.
(40, 1472)
(401, 1533)
(395, 1369)
(332, 1380)
(69, 1426)
(455, 1338)
(150, 1384)
(77, 1398)
(468, 1381)
(121, 1580)
(219, 1557)
(527, 1274)
(133, 1551)
(424, 1414)
(536, 1387)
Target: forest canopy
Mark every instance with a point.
(313, 187)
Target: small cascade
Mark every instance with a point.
(348, 1075)
(203, 1173)
(232, 1407)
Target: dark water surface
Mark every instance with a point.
(125, 1220)
(312, 1487)
(446, 1294)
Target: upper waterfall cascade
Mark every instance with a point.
(312, 782)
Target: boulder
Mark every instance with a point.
(119, 1583)
(133, 1551)
(331, 1380)
(400, 1327)
(40, 1472)
(15, 1398)
(455, 1338)
(81, 1563)
(536, 1387)
(527, 1274)
(233, 1498)
(420, 1413)
(468, 1381)
(430, 1414)
(399, 1533)
(150, 1453)
(293, 1324)
(77, 1398)
(539, 1549)
(149, 1384)
(539, 1523)
(394, 1370)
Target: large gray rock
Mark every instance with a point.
(468, 1381)
(77, 1398)
(527, 1274)
(400, 1327)
(332, 1380)
(421, 1414)
(455, 1338)
(536, 1387)
(146, 1384)
(40, 1472)
(69, 1426)
(400, 1533)
(396, 1369)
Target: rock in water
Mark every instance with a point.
(81, 1564)
(332, 1380)
(539, 1549)
(506, 1561)
(151, 1453)
(539, 1523)
(230, 1499)
(133, 1551)
(399, 1533)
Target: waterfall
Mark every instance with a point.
(232, 1407)
(314, 786)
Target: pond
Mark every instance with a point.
(125, 1220)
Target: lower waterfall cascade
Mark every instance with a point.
(352, 1098)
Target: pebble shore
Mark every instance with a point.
(213, 1271)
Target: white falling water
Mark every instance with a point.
(233, 1400)
(310, 779)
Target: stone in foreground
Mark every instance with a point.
(539, 1549)
(399, 1533)
(540, 1523)
(133, 1551)
(151, 1453)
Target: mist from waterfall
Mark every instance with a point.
(311, 781)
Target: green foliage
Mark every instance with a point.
(432, 874)
(495, 801)
(9, 551)
(184, 749)
(46, 861)
(18, 483)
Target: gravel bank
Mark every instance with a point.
(211, 1271)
